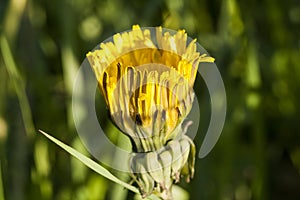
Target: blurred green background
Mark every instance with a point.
(256, 45)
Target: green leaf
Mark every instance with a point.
(18, 83)
(90, 163)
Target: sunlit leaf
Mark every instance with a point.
(90, 163)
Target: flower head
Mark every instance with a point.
(147, 80)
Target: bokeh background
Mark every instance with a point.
(256, 45)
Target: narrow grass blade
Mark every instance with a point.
(19, 85)
(90, 163)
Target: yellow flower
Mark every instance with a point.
(147, 83)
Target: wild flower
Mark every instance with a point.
(147, 81)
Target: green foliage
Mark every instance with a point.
(90, 163)
(256, 46)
